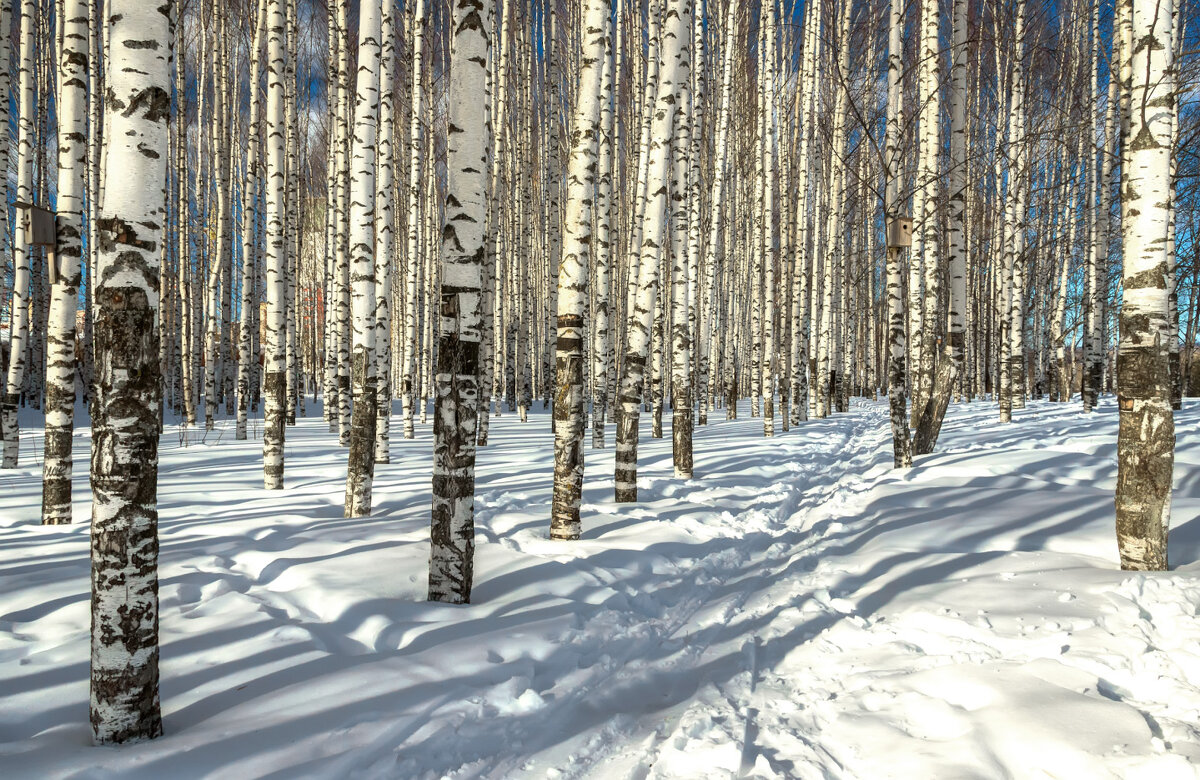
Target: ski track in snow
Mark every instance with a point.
(797, 610)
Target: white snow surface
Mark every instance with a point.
(799, 609)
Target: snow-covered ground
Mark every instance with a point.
(797, 610)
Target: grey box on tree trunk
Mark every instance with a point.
(39, 225)
(899, 232)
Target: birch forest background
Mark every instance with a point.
(600, 388)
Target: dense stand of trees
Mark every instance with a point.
(266, 207)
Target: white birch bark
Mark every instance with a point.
(676, 32)
(602, 353)
(249, 227)
(464, 238)
(361, 468)
(385, 237)
(18, 332)
(1146, 433)
(801, 263)
(415, 189)
(124, 535)
(569, 419)
(8, 416)
(928, 180)
(1093, 357)
(678, 294)
(901, 444)
(1011, 307)
(64, 295)
(275, 255)
(496, 216)
(767, 206)
(342, 212)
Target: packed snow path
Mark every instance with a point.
(797, 610)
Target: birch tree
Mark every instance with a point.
(464, 236)
(361, 468)
(124, 536)
(901, 444)
(275, 255)
(569, 420)
(250, 209)
(672, 68)
(64, 295)
(414, 223)
(385, 234)
(602, 353)
(18, 332)
(1146, 432)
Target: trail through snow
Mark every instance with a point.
(797, 610)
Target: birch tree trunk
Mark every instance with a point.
(361, 469)
(64, 295)
(602, 353)
(385, 239)
(275, 255)
(677, 295)
(673, 66)
(342, 210)
(124, 642)
(927, 218)
(18, 332)
(1093, 350)
(8, 417)
(496, 219)
(1011, 303)
(767, 207)
(946, 373)
(802, 275)
(414, 221)
(249, 227)
(464, 237)
(901, 444)
(1146, 433)
(569, 416)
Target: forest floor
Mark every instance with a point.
(797, 610)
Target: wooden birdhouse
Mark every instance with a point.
(899, 232)
(39, 225)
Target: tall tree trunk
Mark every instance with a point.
(361, 469)
(124, 646)
(18, 333)
(464, 237)
(673, 66)
(64, 295)
(414, 220)
(945, 375)
(385, 238)
(901, 444)
(1012, 307)
(569, 416)
(249, 227)
(1146, 433)
(496, 232)
(275, 254)
(602, 353)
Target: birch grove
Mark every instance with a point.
(270, 215)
